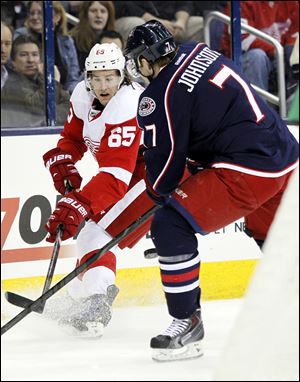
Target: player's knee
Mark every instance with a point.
(171, 234)
(81, 240)
(91, 238)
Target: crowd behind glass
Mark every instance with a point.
(22, 48)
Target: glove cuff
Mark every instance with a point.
(56, 155)
(81, 198)
(75, 197)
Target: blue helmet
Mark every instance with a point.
(150, 40)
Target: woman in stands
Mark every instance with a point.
(94, 17)
(66, 61)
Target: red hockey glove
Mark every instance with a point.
(71, 210)
(62, 169)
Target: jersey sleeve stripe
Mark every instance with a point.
(119, 173)
(122, 204)
(166, 103)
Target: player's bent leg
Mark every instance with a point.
(259, 221)
(101, 273)
(92, 293)
(91, 315)
(214, 198)
(179, 265)
(93, 296)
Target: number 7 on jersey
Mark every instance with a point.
(220, 78)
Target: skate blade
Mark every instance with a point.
(95, 330)
(193, 350)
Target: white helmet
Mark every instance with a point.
(106, 56)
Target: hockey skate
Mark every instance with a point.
(88, 317)
(181, 340)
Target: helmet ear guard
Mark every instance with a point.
(88, 86)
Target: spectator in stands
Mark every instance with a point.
(108, 36)
(65, 52)
(6, 44)
(14, 13)
(33, 25)
(174, 15)
(128, 15)
(203, 8)
(279, 19)
(23, 95)
(94, 17)
(72, 7)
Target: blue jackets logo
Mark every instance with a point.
(147, 106)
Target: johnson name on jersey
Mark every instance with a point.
(201, 107)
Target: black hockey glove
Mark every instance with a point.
(157, 198)
(193, 166)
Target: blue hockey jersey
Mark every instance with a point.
(201, 107)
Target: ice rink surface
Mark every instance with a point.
(37, 350)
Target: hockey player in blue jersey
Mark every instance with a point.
(199, 109)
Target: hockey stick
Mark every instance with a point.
(44, 297)
(23, 302)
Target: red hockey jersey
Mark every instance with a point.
(112, 136)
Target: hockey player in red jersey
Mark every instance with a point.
(102, 118)
(199, 107)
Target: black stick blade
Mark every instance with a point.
(21, 301)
